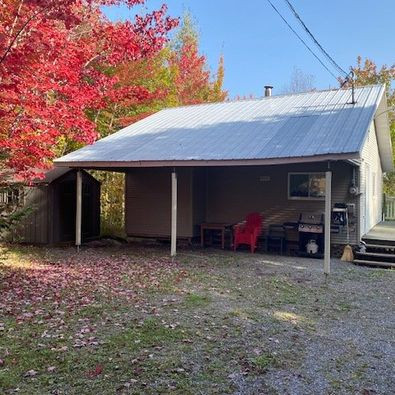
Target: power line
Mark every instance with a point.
(301, 39)
(331, 60)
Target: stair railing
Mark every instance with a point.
(389, 208)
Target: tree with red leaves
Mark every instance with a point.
(56, 66)
(177, 75)
(193, 78)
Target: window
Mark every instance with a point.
(10, 196)
(306, 186)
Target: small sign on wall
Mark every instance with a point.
(264, 178)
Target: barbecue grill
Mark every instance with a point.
(311, 227)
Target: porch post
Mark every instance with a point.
(173, 250)
(327, 248)
(78, 211)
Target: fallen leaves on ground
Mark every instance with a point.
(64, 298)
(51, 289)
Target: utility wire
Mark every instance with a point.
(331, 60)
(303, 42)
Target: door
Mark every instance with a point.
(67, 207)
(67, 211)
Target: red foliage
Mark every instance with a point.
(192, 80)
(55, 62)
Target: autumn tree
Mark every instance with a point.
(177, 75)
(368, 73)
(56, 66)
(193, 79)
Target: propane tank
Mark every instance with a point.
(312, 247)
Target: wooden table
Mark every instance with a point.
(222, 227)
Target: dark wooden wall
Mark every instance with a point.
(52, 219)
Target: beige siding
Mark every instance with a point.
(199, 196)
(225, 194)
(371, 179)
(234, 192)
(148, 202)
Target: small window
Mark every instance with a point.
(306, 186)
(10, 196)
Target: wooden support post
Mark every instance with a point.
(173, 250)
(78, 211)
(328, 217)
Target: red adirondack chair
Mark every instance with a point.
(248, 231)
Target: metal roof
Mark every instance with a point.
(312, 124)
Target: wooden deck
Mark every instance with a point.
(380, 246)
(384, 231)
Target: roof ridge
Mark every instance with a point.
(268, 97)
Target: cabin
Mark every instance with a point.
(316, 156)
(52, 207)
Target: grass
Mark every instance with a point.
(263, 362)
(129, 320)
(193, 300)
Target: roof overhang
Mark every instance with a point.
(383, 135)
(102, 165)
(49, 175)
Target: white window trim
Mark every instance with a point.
(309, 173)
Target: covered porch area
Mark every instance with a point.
(173, 203)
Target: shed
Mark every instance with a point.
(53, 203)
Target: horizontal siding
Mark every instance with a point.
(148, 202)
(234, 192)
(226, 194)
(199, 198)
(371, 183)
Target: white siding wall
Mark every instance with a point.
(371, 181)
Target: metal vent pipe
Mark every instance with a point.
(268, 90)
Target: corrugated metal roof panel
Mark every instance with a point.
(288, 126)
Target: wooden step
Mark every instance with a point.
(380, 247)
(377, 254)
(364, 262)
(380, 243)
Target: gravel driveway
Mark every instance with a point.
(319, 337)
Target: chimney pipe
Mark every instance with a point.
(268, 90)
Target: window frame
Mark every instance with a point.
(309, 173)
(11, 196)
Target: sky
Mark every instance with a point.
(259, 49)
